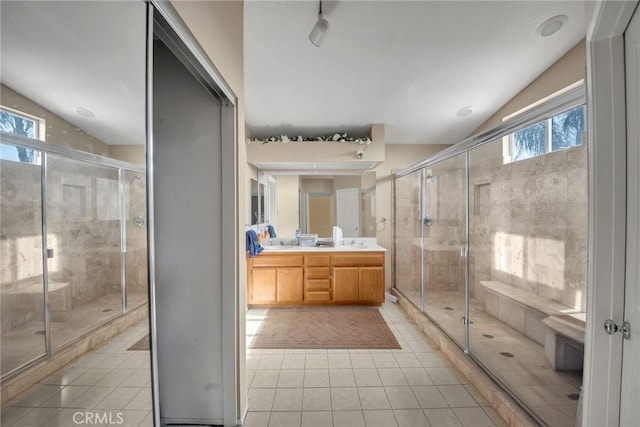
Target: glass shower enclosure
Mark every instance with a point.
(73, 246)
(493, 249)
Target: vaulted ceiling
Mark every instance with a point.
(410, 65)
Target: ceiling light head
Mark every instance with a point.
(319, 30)
(465, 111)
(551, 25)
(81, 111)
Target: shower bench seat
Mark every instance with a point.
(32, 295)
(555, 326)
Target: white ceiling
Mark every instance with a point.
(68, 54)
(410, 65)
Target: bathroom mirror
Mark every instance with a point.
(315, 203)
(257, 203)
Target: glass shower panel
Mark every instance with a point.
(407, 239)
(135, 214)
(83, 233)
(527, 276)
(444, 222)
(21, 278)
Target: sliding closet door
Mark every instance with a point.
(187, 198)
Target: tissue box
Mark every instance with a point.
(308, 239)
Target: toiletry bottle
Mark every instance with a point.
(298, 236)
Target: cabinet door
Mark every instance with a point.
(345, 283)
(263, 285)
(371, 284)
(290, 284)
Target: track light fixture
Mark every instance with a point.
(319, 30)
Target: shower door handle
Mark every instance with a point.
(611, 328)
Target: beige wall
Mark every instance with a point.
(564, 72)
(287, 206)
(58, 130)
(129, 153)
(218, 26)
(398, 157)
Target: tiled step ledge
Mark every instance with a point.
(16, 385)
(512, 414)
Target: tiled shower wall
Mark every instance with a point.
(83, 228)
(136, 256)
(445, 203)
(528, 223)
(407, 232)
(20, 240)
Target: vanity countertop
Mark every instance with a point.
(341, 248)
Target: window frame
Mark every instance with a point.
(39, 128)
(509, 140)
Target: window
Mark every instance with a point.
(561, 131)
(17, 123)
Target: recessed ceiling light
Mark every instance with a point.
(84, 112)
(465, 111)
(551, 25)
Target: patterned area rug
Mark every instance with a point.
(324, 327)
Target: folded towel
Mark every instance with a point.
(272, 231)
(253, 246)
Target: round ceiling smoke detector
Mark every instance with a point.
(465, 111)
(551, 25)
(84, 112)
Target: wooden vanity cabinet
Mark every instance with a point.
(358, 278)
(316, 278)
(275, 279)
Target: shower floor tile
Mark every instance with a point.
(516, 360)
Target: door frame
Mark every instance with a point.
(606, 104)
(187, 49)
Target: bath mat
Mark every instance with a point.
(141, 344)
(324, 327)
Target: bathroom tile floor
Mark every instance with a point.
(413, 386)
(551, 394)
(103, 383)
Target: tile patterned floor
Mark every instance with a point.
(413, 386)
(110, 383)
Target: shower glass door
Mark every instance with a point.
(21, 276)
(444, 240)
(408, 235)
(84, 244)
(135, 219)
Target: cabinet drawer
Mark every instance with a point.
(358, 260)
(318, 284)
(277, 261)
(317, 260)
(318, 273)
(317, 296)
